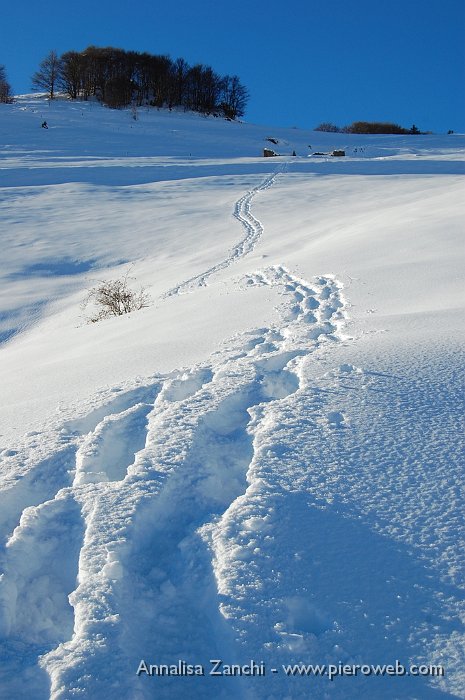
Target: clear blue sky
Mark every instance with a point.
(304, 62)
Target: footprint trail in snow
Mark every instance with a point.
(123, 539)
(253, 229)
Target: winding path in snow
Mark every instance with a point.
(253, 231)
(150, 475)
(118, 517)
(140, 515)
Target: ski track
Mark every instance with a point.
(253, 230)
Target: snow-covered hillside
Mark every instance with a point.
(265, 465)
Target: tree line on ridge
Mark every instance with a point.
(119, 78)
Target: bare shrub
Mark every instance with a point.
(115, 298)
(327, 126)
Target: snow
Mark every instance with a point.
(265, 465)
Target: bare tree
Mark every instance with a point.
(180, 71)
(48, 74)
(235, 97)
(71, 73)
(5, 88)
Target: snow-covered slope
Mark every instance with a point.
(263, 466)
